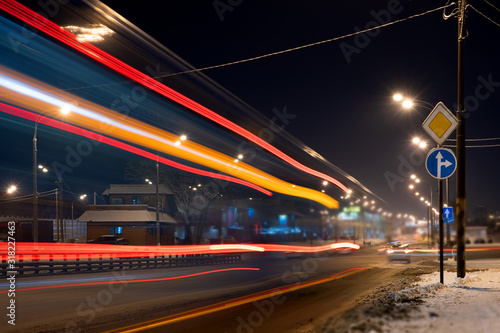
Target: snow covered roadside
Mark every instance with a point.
(471, 304)
(422, 305)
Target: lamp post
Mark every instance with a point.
(35, 190)
(157, 204)
(429, 222)
(59, 207)
(64, 110)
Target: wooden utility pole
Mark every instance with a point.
(461, 202)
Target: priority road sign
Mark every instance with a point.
(441, 163)
(448, 215)
(440, 123)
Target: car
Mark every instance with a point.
(398, 251)
(108, 239)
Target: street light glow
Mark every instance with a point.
(422, 144)
(65, 109)
(12, 189)
(398, 97)
(407, 104)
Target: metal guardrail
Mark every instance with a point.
(50, 267)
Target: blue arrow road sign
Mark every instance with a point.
(441, 163)
(448, 215)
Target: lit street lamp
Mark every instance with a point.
(430, 222)
(64, 110)
(12, 189)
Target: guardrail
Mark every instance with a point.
(49, 267)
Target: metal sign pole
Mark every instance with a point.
(441, 231)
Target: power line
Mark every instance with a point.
(478, 146)
(492, 5)
(486, 17)
(484, 139)
(269, 54)
(28, 196)
(304, 46)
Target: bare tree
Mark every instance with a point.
(193, 196)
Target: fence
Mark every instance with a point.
(49, 267)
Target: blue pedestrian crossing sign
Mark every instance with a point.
(441, 163)
(448, 215)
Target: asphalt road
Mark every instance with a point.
(185, 297)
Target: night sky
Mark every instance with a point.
(340, 92)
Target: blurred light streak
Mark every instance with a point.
(97, 137)
(137, 281)
(64, 251)
(230, 304)
(34, 96)
(237, 247)
(39, 22)
(93, 34)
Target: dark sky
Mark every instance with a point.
(341, 92)
(343, 103)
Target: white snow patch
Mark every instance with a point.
(471, 304)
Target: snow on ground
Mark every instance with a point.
(471, 304)
(421, 304)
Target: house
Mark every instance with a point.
(141, 194)
(136, 223)
(131, 214)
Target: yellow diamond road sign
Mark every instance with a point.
(440, 123)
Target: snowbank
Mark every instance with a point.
(471, 304)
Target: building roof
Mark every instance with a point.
(124, 215)
(136, 189)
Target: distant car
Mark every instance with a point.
(398, 251)
(108, 239)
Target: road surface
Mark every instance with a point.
(96, 302)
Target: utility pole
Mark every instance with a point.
(157, 205)
(461, 217)
(35, 189)
(57, 216)
(60, 210)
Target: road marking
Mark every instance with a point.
(229, 304)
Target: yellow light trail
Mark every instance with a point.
(25, 92)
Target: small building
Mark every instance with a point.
(141, 194)
(136, 223)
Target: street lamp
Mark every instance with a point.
(64, 110)
(430, 216)
(408, 102)
(59, 203)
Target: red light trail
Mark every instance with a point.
(137, 281)
(112, 142)
(70, 251)
(43, 24)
